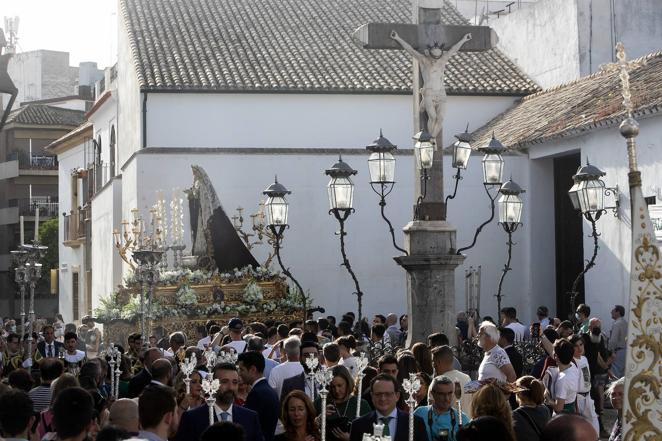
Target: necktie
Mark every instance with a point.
(225, 416)
(50, 350)
(385, 421)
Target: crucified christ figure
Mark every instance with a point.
(432, 63)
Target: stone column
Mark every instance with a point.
(430, 270)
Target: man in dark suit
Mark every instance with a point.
(49, 347)
(144, 377)
(195, 421)
(385, 393)
(262, 398)
(298, 382)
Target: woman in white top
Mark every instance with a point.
(495, 363)
(347, 344)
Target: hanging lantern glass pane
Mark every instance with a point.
(424, 152)
(510, 209)
(591, 195)
(574, 196)
(341, 193)
(461, 154)
(277, 209)
(492, 169)
(382, 167)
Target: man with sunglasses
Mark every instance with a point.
(442, 421)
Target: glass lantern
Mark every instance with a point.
(462, 149)
(382, 167)
(574, 196)
(340, 188)
(276, 205)
(510, 204)
(591, 194)
(424, 150)
(493, 162)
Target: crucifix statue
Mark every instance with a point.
(432, 65)
(429, 239)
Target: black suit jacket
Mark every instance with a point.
(298, 382)
(41, 347)
(264, 401)
(516, 360)
(195, 421)
(365, 423)
(138, 382)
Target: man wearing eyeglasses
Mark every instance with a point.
(442, 421)
(384, 391)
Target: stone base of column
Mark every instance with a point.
(430, 270)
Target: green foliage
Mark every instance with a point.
(48, 236)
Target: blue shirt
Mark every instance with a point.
(440, 421)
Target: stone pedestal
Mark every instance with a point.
(430, 270)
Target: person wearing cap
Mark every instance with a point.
(236, 342)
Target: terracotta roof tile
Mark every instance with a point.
(291, 46)
(577, 107)
(44, 115)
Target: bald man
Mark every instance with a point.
(568, 427)
(124, 414)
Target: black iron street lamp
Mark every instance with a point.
(588, 195)
(424, 153)
(341, 200)
(492, 177)
(510, 216)
(381, 164)
(461, 154)
(277, 209)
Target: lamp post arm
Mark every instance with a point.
(480, 228)
(591, 262)
(382, 204)
(424, 191)
(287, 272)
(457, 178)
(506, 268)
(345, 263)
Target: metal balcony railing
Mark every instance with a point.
(75, 225)
(26, 161)
(48, 206)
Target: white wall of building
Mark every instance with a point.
(129, 116)
(556, 41)
(70, 259)
(104, 120)
(297, 120)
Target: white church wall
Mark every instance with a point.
(298, 120)
(70, 259)
(103, 120)
(550, 24)
(106, 263)
(129, 109)
(469, 209)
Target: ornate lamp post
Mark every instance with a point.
(492, 177)
(147, 273)
(341, 199)
(587, 195)
(461, 154)
(423, 152)
(381, 164)
(277, 209)
(510, 216)
(21, 278)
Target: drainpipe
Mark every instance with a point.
(144, 119)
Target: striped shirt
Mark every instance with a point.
(41, 397)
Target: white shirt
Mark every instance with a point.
(219, 411)
(238, 345)
(350, 363)
(519, 329)
(462, 379)
(392, 422)
(566, 385)
(50, 346)
(75, 358)
(493, 361)
(267, 351)
(203, 342)
(544, 323)
(584, 380)
(282, 372)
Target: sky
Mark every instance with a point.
(87, 29)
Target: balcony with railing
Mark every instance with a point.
(28, 161)
(47, 205)
(75, 227)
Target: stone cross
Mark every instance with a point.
(431, 262)
(431, 44)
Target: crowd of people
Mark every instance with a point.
(61, 389)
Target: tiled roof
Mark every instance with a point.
(574, 108)
(291, 46)
(44, 115)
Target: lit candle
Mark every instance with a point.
(36, 224)
(22, 230)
